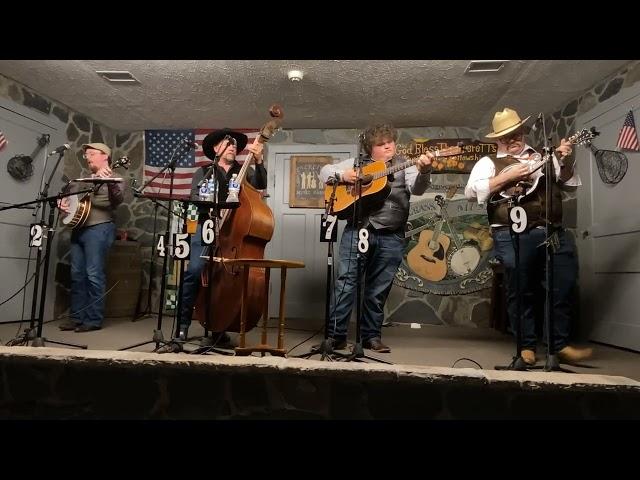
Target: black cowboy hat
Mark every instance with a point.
(216, 137)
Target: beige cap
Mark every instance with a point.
(98, 146)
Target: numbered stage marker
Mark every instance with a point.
(328, 228)
(363, 240)
(519, 219)
(36, 232)
(181, 245)
(208, 233)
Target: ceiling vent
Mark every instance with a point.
(485, 66)
(117, 76)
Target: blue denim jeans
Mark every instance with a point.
(378, 267)
(532, 274)
(191, 284)
(89, 250)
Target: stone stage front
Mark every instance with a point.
(53, 383)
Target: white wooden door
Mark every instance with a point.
(608, 234)
(297, 234)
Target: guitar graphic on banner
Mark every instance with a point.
(429, 257)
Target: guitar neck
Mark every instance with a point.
(394, 169)
(445, 216)
(437, 230)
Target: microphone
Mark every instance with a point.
(60, 149)
(124, 162)
(230, 139)
(534, 127)
(190, 143)
(333, 179)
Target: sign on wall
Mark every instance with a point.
(305, 188)
(474, 150)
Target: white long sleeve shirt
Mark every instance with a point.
(478, 183)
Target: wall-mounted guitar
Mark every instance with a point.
(375, 186)
(80, 205)
(523, 188)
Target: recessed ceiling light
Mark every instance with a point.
(117, 76)
(295, 75)
(485, 66)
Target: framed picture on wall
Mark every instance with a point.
(305, 188)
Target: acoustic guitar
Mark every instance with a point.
(375, 185)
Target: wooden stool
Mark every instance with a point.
(246, 264)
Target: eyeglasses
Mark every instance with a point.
(92, 154)
(514, 137)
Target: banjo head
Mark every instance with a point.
(464, 260)
(73, 209)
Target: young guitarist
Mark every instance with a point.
(385, 223)
(491, 176)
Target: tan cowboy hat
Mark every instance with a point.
(505, 122)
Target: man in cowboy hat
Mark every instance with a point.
(224, 146)
(488, 178)
(90, 244)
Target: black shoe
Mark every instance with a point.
(68, 325)
(86, 328)
(376, 345)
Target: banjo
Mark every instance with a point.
(465, 258)
(80, 205)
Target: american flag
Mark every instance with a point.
(160, 145)
(628, 138)
(3, 140)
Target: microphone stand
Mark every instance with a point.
(38, 340)
(358, 352)
(325, 349)
(551, 244)
(137, 193)
(517, 363)
(158, 337)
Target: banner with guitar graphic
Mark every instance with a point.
(449, 248)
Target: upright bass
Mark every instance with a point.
(243, 233)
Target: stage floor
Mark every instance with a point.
(436, 346)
